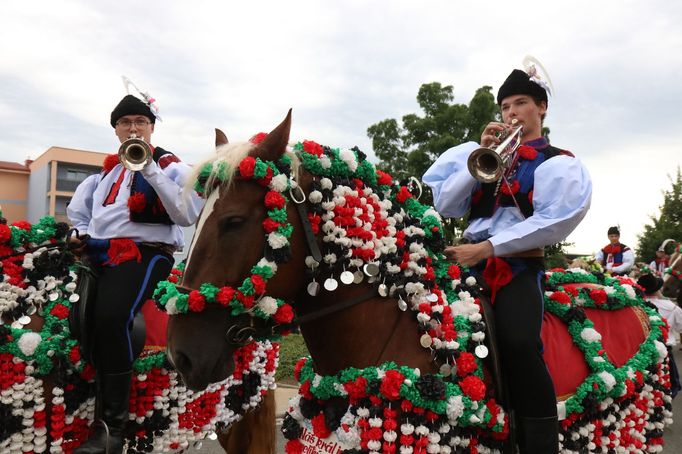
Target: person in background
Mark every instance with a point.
(660, 263)
(543, 195)
(615, 257)
(672, 313)
(130, 225)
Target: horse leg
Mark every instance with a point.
(255, 432)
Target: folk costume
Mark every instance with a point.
(133, 222)
(545, 194)
(616, 258)
(659, 264)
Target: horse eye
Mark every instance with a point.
(231, 223)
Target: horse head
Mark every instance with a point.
(227, 254)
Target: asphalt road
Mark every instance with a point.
(672, 435)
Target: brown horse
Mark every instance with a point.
(356, 327)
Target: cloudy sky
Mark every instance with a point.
(616, 67)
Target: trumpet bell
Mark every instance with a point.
(488, 165)
(134, 154)
(485, 165)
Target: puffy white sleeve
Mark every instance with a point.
(182, 205)
(79, 209)
(562, 194)
(628, 262)
(451, 182)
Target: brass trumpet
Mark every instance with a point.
(134, 153)
(487, 164)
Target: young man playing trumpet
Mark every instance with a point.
(543, 194)
(131, 219)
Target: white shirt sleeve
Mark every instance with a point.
(182, 205)
(562, 194)
(79, 209)
(599, 257)
(628, 262)
(451, 182)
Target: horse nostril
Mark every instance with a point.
(181, 362)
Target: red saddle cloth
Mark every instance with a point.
(622, 332)
(156, 322)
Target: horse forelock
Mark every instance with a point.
(224, 163)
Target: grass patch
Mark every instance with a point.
(292, 349)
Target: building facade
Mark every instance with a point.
(54, 177)
(14, 178)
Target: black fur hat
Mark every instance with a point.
(130, 105)
(520, 83)
(613, 231)
(650, 283)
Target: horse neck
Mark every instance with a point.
(367, 334)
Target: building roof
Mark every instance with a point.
(14, 167)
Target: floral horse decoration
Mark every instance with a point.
(397, 350)
(46, 386)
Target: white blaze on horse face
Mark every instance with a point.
(205, 213)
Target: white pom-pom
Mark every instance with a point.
(28, 342)
(268, 305)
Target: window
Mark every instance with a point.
(76, 175)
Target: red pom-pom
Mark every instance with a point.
(196, 301)
(110, 162)
(454, 272)
(403, 194)
(258, 284)
(60, 311)
(384, 179)
(225, 295)
(560, 297)
(258, 138)
(274, 199)
(270, 226)
(247, 166)
(137, 202)
(313, 148)
(75, 354)
(284, 314)
(598, 295)
(391, 383)
(356, 389)
(294, 447)
(527, 152)
(510, 189)
(473, 387)
(320, 428)
(466, 364)
(23, 225)
(5, 234)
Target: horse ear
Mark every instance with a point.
(220, 138)
(274, 144)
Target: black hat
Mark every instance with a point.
(130, 105)
(520, 83)
(613, 231)
(650, 283)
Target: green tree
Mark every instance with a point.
(409, 149)
(667, 225)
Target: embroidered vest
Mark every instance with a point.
(484, 201)
(613, 253)
(144, 204)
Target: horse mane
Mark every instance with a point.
(223, 165)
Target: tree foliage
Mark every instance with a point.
(409, 148)
(667, 225)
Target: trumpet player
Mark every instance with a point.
(542, 195)
(130, 225)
